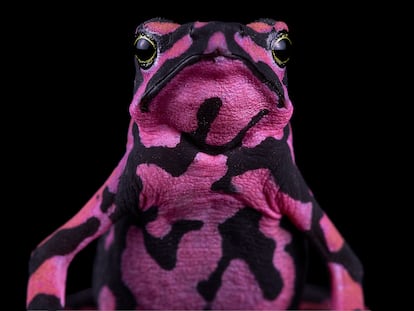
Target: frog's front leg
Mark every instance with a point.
(345, 269)
(50, 260)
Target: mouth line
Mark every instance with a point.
(200, 142)
(153, 91)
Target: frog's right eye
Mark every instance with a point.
(145, 50)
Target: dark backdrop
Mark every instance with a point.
(75, 77)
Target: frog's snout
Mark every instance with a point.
(217, 45)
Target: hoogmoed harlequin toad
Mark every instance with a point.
(207, 208)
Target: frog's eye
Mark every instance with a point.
(145, 50)
(281, 49)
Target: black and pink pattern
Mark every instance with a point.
(207, 208)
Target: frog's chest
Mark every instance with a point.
(194, 193)
(195, 247)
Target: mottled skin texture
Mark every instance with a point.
(207, 208)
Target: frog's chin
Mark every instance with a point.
(220, 64)
(215, 102)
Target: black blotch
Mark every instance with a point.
(298, 251)
(45, 302)
(206, 114)
(107, 268)
(285, 79)
(271, 154)
(344, 256)
(82, 299)
(267, 20)
(107, 200)
(63, 242)
(164, 250)
(242, 239)
(173, 160)
(316, 294)
(145, 217)
(129, 188)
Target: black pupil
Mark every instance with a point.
(144, 49)
(282, 49)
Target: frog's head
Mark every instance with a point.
(220, 84)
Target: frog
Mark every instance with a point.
(207, 208)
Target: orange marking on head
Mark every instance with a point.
(161, 27)
(260, 27)
(264, 28)
(200, 24)
(280, 26)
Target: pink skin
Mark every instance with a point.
(265, 28)
(48, 279)
(200, 24)
(170, 191)
(217, 42)
(157, 134)
(298, 212)
(238, 273)
(107, 298)
(109, 239)
(161, 28)
(346, 294)
(260, 27)
(333, 238)
(248, 183)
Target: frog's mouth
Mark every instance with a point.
(261, 71)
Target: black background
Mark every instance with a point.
(72, 79)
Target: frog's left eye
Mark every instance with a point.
(281, 49)
(145, 50)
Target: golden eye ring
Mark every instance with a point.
(281, 49)
(145, 50)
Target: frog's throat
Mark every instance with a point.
(198, 138)
(153, 91)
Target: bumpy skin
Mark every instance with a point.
(206, 209)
